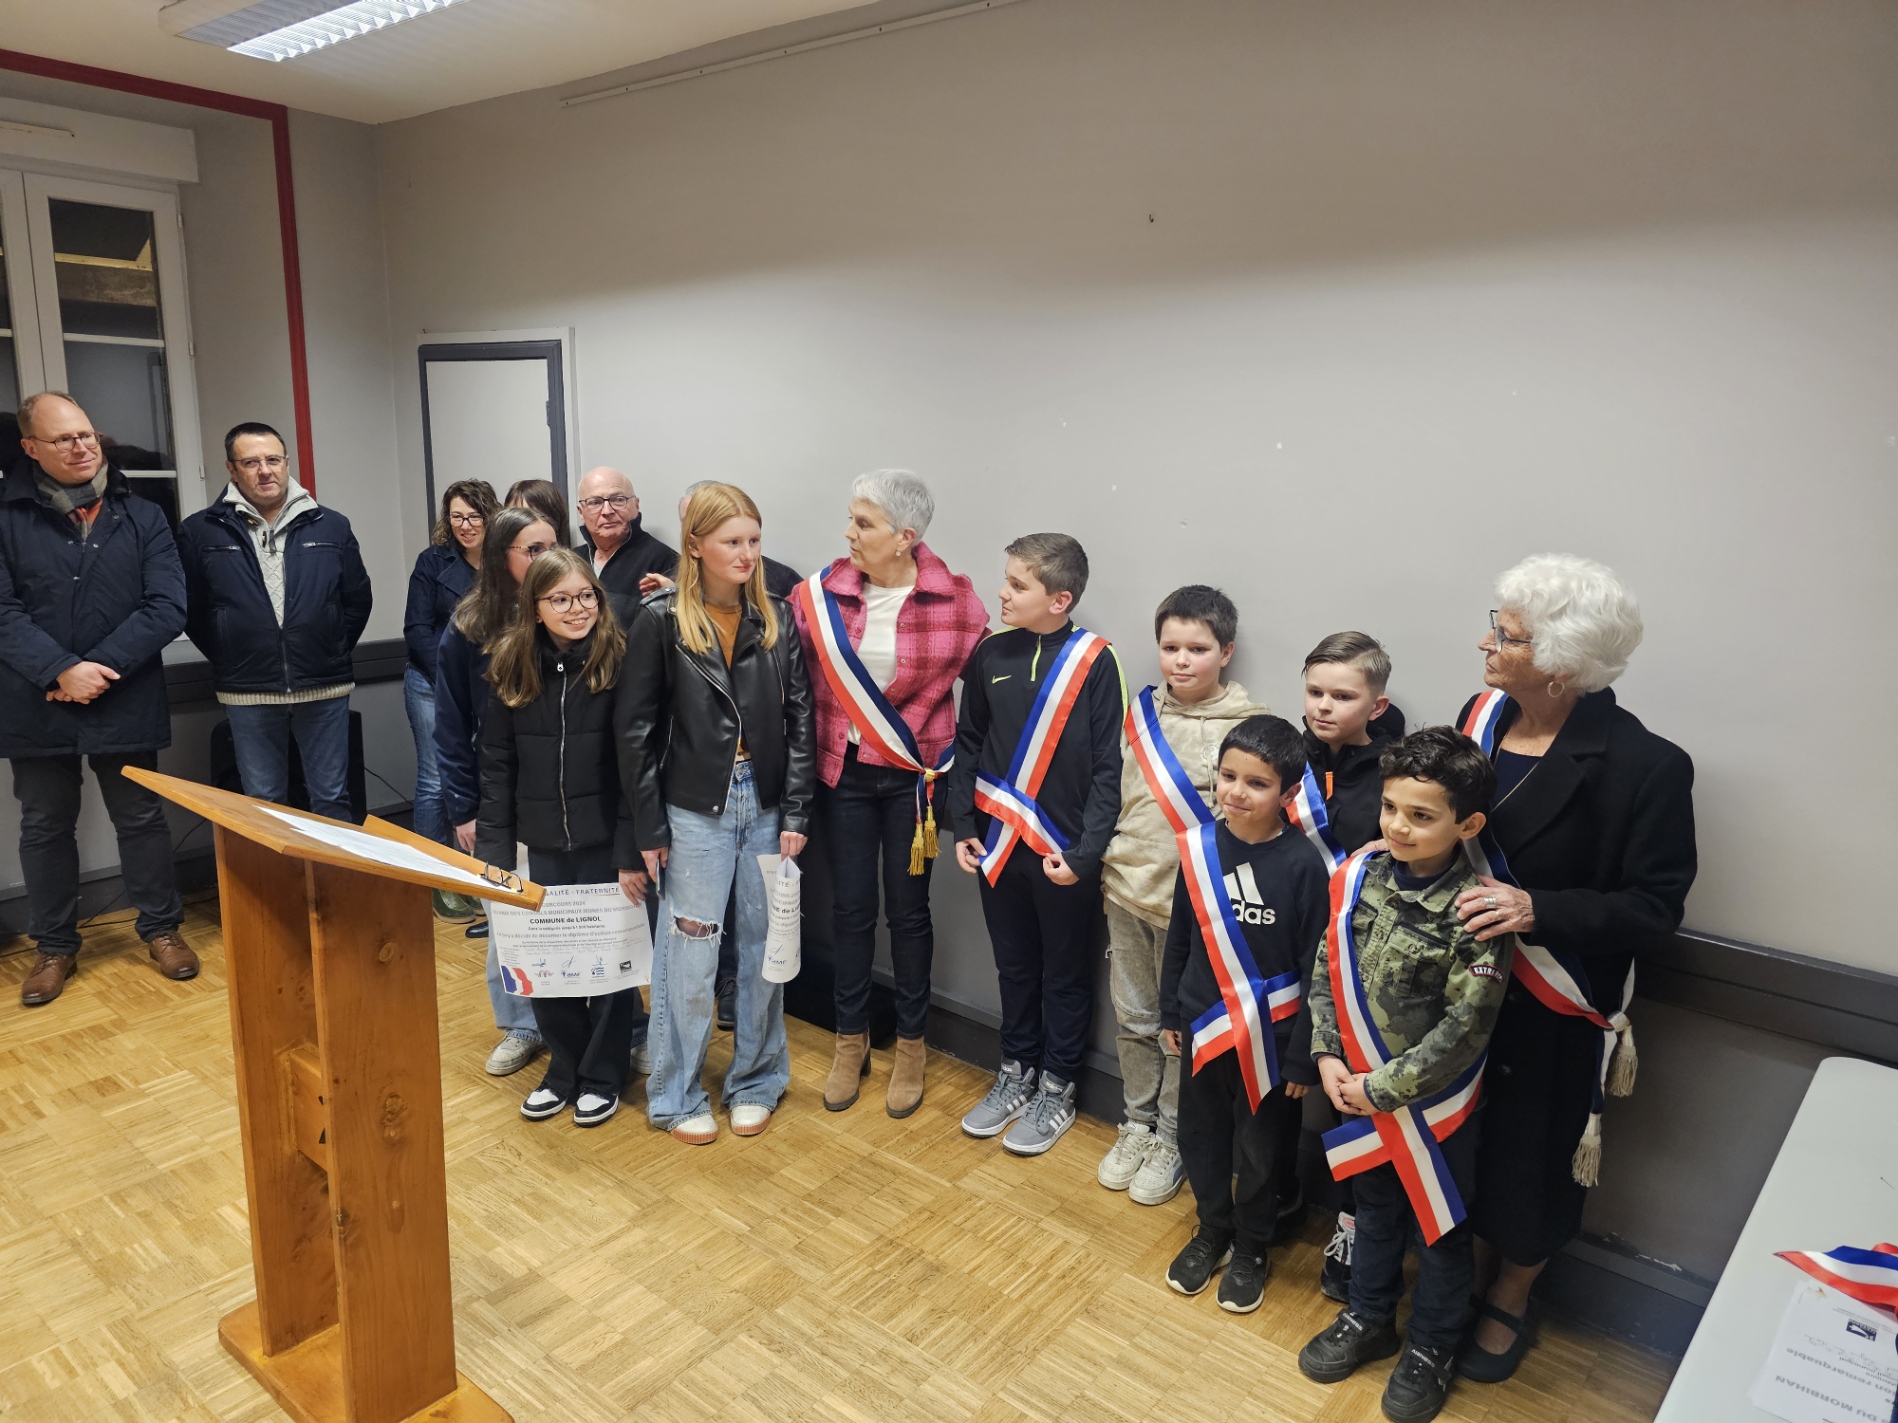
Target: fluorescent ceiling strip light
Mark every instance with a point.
(345, 22)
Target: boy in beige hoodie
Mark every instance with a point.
(1195, 627)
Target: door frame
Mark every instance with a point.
(551, 345)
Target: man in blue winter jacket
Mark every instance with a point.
(277, 598)
(90, 593)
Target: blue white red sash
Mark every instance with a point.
(1407, 1137)
(879, 725)
(1308, 817)
(1869, 1276)
(1248, 1003)
(1558, 980)
(1010, 805)
(1179, 799)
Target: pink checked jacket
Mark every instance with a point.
(939, 626)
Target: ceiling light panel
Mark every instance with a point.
(283, 29)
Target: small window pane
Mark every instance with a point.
(124, 393)
(108, 282)
(9, 367)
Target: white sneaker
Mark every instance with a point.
(749, 1119)
(701, 1130)
(591, 1108)
(642, 1060)
(1123, 1160)
(543, 1103)
(1158, 1180)
(513, 1052)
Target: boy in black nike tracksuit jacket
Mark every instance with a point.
(1276, 882)
(1040, 912)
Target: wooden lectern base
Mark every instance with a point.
(307, 1381)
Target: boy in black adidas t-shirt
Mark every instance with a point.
(1277, 884)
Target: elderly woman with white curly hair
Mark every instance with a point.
(887, 631)
(1591, 853)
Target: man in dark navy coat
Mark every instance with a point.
(278, 597)
(90, 593)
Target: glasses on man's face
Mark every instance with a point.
(66, 444)
(616, 502)
(1503, 639)
(567, 602)
(257, 464)
(467, 521)
(529, 550)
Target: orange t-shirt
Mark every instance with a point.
(725, 626)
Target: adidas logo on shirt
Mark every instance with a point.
(1247, 906)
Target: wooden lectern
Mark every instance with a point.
(330, 953)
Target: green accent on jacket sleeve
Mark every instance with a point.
(1472, 997)
(1324, 1013)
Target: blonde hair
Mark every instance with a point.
(711, 505)
(514, 667)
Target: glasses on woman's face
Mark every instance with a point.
(1503, 639)
(467, 521)
(529, 550)
(567, 602)
(616, 502)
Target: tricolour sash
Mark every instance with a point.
(879, 725)
(1558, 980)
(1407, 1137)
(1010, 805)
(1869, 1276)
(1248, 1004)
(1307, 814)
(1172, 788)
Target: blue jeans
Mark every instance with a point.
(1387, 1225)
(418, 696)
(261, 738)
(711, 853)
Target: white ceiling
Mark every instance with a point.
(454, 56)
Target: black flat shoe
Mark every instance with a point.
(1478, 1365)
(476, 930)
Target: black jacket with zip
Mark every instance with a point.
(550, 769)
(1081, 792)
(326, 600)
(1353, 786)
(681, 714)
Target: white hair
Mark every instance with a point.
(900, 494)
(1583, 625)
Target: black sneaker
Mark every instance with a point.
(1243, 1289)
(1334, 1280)
(1289, 1220)
(1419, 1384)
(727, 1013)
(1346, 1343)
(1193, 1268)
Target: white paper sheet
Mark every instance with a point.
(375, 849)
(1833, 1361)
(784, 931)
(587, 939)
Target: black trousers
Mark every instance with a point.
(871, 816)
(1387, 1227)
(47, 788)
(1043, 937)
(589, 1040)
(1241, 1163)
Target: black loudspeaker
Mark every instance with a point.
(224, 769)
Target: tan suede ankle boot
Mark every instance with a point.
(906, 1078)
(847, 1071)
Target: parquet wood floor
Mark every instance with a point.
(842, 1267)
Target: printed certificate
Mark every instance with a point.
(586, 939)
(1833, 1361)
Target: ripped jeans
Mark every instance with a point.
(709, 853)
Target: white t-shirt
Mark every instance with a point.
(877, 650)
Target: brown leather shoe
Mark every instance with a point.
(174, 957)
(847, 1071)
(906, 1078)
(47, 979)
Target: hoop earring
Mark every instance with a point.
(1555, 689)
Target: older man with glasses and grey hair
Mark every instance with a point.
(90, 592)
(628, 561)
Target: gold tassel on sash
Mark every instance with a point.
(1622, 1068)
(924, 845)
(1622, 1063)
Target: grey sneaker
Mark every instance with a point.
(1007, 1100)
(513, 1052)
(1048, 1116)
(1124, 1159)
(1160, 1175)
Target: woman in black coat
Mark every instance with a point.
(550, 779)
(1594, 816)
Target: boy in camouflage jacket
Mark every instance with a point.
(1434, 992)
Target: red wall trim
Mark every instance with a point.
(278, 117)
